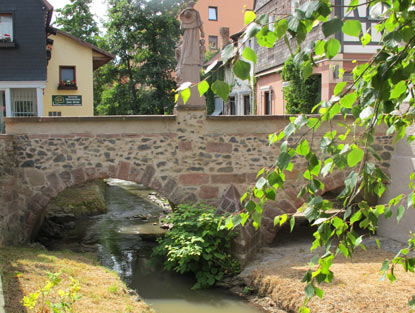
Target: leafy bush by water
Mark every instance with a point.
(197, 244)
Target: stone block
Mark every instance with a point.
(193, 179)
(228, 178)
(55, 181)
(112, 171)
(208, 192)
(286, 206)
(78, 176)
(66, 177)
(123, 170)
(148, 175)
(185, 146)
(135, 175)
(35, 177)
(91, 173)
(217, 147)
(168, 187)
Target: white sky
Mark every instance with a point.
(98, 8)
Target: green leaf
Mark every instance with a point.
(228, 53)
(319, 292)
(289, 129)
(283, 160)
(304, 309)
(401, 211)
(331, 27)
(261, 183)
(249, 55)
(379, 189)
(203, 87)
(266, 38)
(292, 223)
(356, 217)
(281, 28)
(354, 156)
(348, 100)
(242, 69)
(339, 88)
(309, 291)
(385, 265)
(307, 69)
(293, 23)
(398, 89)
(221, 89)
(352, 28)
(366, 38)
(185, 93)
(320, 47)
(303, 148)
(332, 48)
(271, 194)
(250, 16)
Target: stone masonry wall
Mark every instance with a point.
(8, 188)
(187, 158)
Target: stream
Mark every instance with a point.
(122, 249)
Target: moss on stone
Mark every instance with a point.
(83, 200)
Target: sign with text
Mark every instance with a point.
(67, 100)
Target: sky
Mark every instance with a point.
(98, 7)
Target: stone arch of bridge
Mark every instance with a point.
(288, 202)
(57, 181)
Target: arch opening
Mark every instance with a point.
(72, 219)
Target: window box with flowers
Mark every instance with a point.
(6, 30)
(67, 78)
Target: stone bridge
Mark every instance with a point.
(187, 157)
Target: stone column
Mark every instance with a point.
(190, 130)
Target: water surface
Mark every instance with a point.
(121, 248)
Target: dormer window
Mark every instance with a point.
(6, 29)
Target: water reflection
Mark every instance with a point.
(121, 248)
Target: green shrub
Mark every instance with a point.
(300, 95)
(197, 244)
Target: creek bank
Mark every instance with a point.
(24, 270)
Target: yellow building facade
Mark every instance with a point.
(69, 89)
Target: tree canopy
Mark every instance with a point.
(76, 18)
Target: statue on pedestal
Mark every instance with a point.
(190, 54)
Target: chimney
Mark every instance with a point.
(224, 35)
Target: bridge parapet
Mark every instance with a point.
(189, 157)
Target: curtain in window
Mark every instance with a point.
(6, 27)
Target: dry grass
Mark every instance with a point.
(355, 289)
(24, 271)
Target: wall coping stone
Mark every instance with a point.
(190, 107)
(16, 120)
(6, 137)
(285, 117)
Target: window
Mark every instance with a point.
(67, 78)
(232, 106)
(247, 105)
(24, 101)
(267, 102)
(213, 13)
(213, 42)
(6, 28)
(55, 113)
